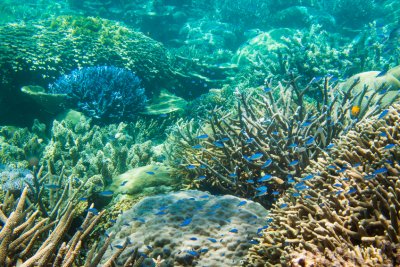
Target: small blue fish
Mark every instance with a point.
(150, 173)
(389, 146)
(345, 179)
(190, 167)
(267, 89)
(225, 139)
(383, 134)
(250, 181)
(275, 193)
(219, 144)
(337, 184)
(382, 73)
(380, 171)
(186, 222)
(275, 133)
(284, 205)
(302, 187)
(163, 115)
(262, 188)
(310, 141)
(242, 203)
(308, 177)
(197, 146)
(266, 163)
(201, 177)
(213, 240)
(316, 79)
(204, 250)
(306, 124)
(83, 199)
(293, 163)
(160, 213)
(232, 175)
(107, 193)
(342, 170)
(250, 140)
(294, 145)
(338, 192)
(330, 146)
(265, 178)
(192, 253)
(369, 177)
(256, 156)
(383, 114)
(193, 238)
(351, 191)
(234, 230)
(93, 210)
(203, 136)
(357, 164)
(307, 196)
(332, 167)
(254, 242)
(118, 246)
(204, 196)
(296, 194)
(123, 183)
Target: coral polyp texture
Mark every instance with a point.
(348, 213)
(190, 228)
(105, 93)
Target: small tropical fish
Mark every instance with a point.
(250, 181)
(234, 230)
(296, 194)
(357, 164)
(250, 140)
(345, 179)
(293, 163)
(213, 240)
(380, 171)
(232, 175)
(262, 188)
(294, 145)
(284, 205)
(310, 141)
(275, 193)
(203, 136)
(186, 222)
(256, 156)
(342, 170)
(83, 199)
(107, 193)
(150, 173)
(93, 210)
(383, 114)
(307, 197)
(267, 89)
(119, 246)
(123, 183)
(201, 177)
(161, 212)
(242, 203)
(306, 124)
(254, 242)
(351, 190)
(332, 167)
(383, 134)
(192, 253)
(308, 177)
(225, 139)
(338, 192)
(265, 178)
(389, 146)
(382, 73)
(369, 177)
(355, 110)
(204, 196)
(266, 163)
(197, 146)
(337, 184)
(190, 167)
(204, 250)
(330, 146)
(193, 238)
(219, 144)
(316, 79)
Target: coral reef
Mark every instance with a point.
(273, 134)
(12, 179)
(104, 93)
(348, 213)
(190, 228)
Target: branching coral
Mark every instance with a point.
(273, 134)
(348, 214)
(104, 93)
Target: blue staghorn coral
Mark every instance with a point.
(105, 93)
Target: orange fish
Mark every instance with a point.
(355, 110)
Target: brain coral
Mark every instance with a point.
(348, 214)
(191, 228)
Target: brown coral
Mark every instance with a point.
(348, 214)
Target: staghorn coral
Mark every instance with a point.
(105, 93)
(272, 134)
(348, 214)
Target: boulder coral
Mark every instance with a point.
(348, 213)
(190, 228)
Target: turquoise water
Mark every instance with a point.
(200, 133)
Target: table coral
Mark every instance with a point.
(348, 214)
(190, 228)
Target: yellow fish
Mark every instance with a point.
(355, 110)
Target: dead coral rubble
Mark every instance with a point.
(348, 214)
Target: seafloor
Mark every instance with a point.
(199, 133)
